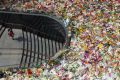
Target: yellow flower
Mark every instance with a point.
(85, 47)
(100, 46)
(80, 29)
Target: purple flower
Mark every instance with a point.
(71, 0)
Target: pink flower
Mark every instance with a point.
(118, 1)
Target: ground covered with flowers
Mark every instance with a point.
(94, 32)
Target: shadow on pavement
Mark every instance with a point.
(20, 39)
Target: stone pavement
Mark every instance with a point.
(34, 46)
(11, 50)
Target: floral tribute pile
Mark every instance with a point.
(94, 31)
